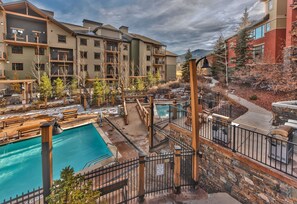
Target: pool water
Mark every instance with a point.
(20, 162)
(163, 110)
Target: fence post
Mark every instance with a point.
(176, 171)
(230, 111)
(234, 125)
(174, 116)
(151, 126)
(141, 191)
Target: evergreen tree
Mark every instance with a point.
(158, 77)
(139, 84)
(59, 87)
(219, 60)
(150, 79)
(72, 189)
(98, 91)
(243, 49)
(73, 85)
(45, 87)
(186, 67)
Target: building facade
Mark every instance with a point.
(33, 42)
(271, 35)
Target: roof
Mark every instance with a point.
(145, 39)
(168, 53)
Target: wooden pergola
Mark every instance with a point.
(27, 89)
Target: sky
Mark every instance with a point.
(180, 24)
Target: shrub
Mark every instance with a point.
(253, 97)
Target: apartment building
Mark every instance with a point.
(33, 40)
(271, 34)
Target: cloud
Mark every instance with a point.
(181, 24)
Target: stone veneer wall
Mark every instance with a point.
(282, 111)
(222, 170)
(248, 181)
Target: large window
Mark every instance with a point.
(97, 55)
(259, 32)
(62, 38)
(17, 66)
(258, 52)
(148, 58)
(83, 67)
(17, 50)
(83, 54)
(39, 51)
(268, 27)
(97, 68)
(96, 43)
(83, 41)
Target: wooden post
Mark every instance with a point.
(141, 191)
(195, 119)
(27, 92)
(151, 126)
(174, 115)
(47, 163)
(176, 171)
(85, 102)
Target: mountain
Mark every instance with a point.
(196, 54)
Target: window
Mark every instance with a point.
(270, 5)
(96, 43)
(259, 32)
(40, 66)
(258, 52)
(17, 49)
(148, 58)
(268, 27)
(83, 67)
(62, 38)
(97, 68)
(148, 48)
(17, 66)
(97, 55)
(83, 41)
(125, 47)
(83, 54)
(39, 51)
(148, 68)
(125, 57)
(18, 32)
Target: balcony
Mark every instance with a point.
(159, 63)
(159, 52)
(113, 49)
(24, 40)
(60, 73)
(61, 58)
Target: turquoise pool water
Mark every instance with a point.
(163, 110)
(20, 162)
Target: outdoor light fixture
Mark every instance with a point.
(57, 128)
(205, 66)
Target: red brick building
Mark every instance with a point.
(272, 34)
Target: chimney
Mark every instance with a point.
(91, 25)
(124, 29)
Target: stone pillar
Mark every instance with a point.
(141, 178)
(195, 119)
(176, 171)
(151, 126)
(47, 163)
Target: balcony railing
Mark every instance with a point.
(60, 72)
(23, 39)
(159, 52)
(159, 62)
(61, 58)
(111, 48)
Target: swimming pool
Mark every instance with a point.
(20, 162)
(163, 110)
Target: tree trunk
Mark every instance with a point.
(45, 102)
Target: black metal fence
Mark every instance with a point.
(119, 183)
(275, 152)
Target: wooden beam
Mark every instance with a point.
(195, 118)
(25, 16)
